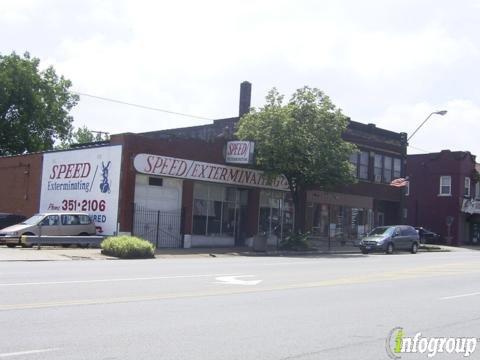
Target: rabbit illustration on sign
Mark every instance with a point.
(105, 184)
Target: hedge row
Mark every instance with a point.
(127, 247)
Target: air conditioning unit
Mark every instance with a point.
(378, 178)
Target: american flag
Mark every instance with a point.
(400, 182)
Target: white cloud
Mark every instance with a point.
(17, 12)
(188, 56)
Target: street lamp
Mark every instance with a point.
(441, 112)
(404, 158)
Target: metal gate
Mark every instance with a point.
(161, 228)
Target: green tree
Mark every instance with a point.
(34, 105)
(301, 140)
(83, 135)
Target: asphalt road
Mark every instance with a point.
(327, 307)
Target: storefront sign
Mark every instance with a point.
(471, 206)
(195, 170)
(85, 180)
(354, 201)
(239, 152)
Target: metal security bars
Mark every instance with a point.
(161, 228)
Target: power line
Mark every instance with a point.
(140, 106)
(416, 148)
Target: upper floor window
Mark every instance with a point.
(445, 185)
(377, 168)
(386, 168)
(363, 165)
(477, 190)
(407, 188)
(397, 168)
(466, 191)
(360, 162)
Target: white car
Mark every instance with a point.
(51, 224)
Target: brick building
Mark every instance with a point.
(175, 188)
(443, 195)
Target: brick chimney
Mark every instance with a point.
(245, 98)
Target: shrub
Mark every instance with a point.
(127, 247)
(295, 242)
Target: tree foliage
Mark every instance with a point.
(34, 105)
(302, 140)
(83, 135)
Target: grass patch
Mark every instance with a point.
(127, 247)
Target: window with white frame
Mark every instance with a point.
(445, 186)
(466, 191)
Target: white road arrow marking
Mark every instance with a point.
(29, 352)
(234, 280)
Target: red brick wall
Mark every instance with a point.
(425, 207)
(20, 180)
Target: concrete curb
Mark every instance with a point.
(56, 254)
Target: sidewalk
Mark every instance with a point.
(48, 253)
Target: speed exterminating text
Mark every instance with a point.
(84, 180)
(239, 152)
(195, 170)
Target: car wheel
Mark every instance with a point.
(84, 245)
(26, 245)
(414, 248)
(364, 251)
(390, 249)
(11, 245)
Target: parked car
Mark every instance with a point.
(391, 238)
(60, 224)
(7, 220)
(427, 236)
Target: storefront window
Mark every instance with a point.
(216, 209)
(337, 223)
(276, 213)
(320, 221)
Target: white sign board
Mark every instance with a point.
(196, 170)
(239, 152)
(84, 180)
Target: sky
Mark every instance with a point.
(386, 62)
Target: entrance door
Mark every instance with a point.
(237, 214)
(157, 216)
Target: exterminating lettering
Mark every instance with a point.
(195, 170)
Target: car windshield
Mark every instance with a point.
(35, 219)
(379, 231)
